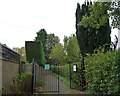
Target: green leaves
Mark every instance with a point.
(69, 52)
(98, 17)
(40, 83)
(72, 50)
(57, 54)
(51, 41)
(22, 76)
(102, 73)
(92, 27)
(22, 53)
(42, 54)
(41, 38)
(115, 14)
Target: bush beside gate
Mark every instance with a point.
(103, 73)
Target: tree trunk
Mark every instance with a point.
(83, 82)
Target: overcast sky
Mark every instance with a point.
(21, 19)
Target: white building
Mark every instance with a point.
(116, 32)
(119, 38)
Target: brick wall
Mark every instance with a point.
(26, 68)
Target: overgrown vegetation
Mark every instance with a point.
(102, 73)
(20, 83)
(40, 83)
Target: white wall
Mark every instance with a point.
(113, 33)
(118, 38)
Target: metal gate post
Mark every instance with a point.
(33, 71)
(58, 78)
(32, 77)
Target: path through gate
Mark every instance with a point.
(44, 80)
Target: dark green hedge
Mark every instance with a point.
(32, 50)
(103, 73)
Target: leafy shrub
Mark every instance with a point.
(19, 85)
(103, 73)
(22, 76)
(40, 83)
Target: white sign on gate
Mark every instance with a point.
(74, 67)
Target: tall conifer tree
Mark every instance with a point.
(41, 38)
(88, 37)
(80, 33)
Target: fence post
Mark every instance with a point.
(32, 89)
